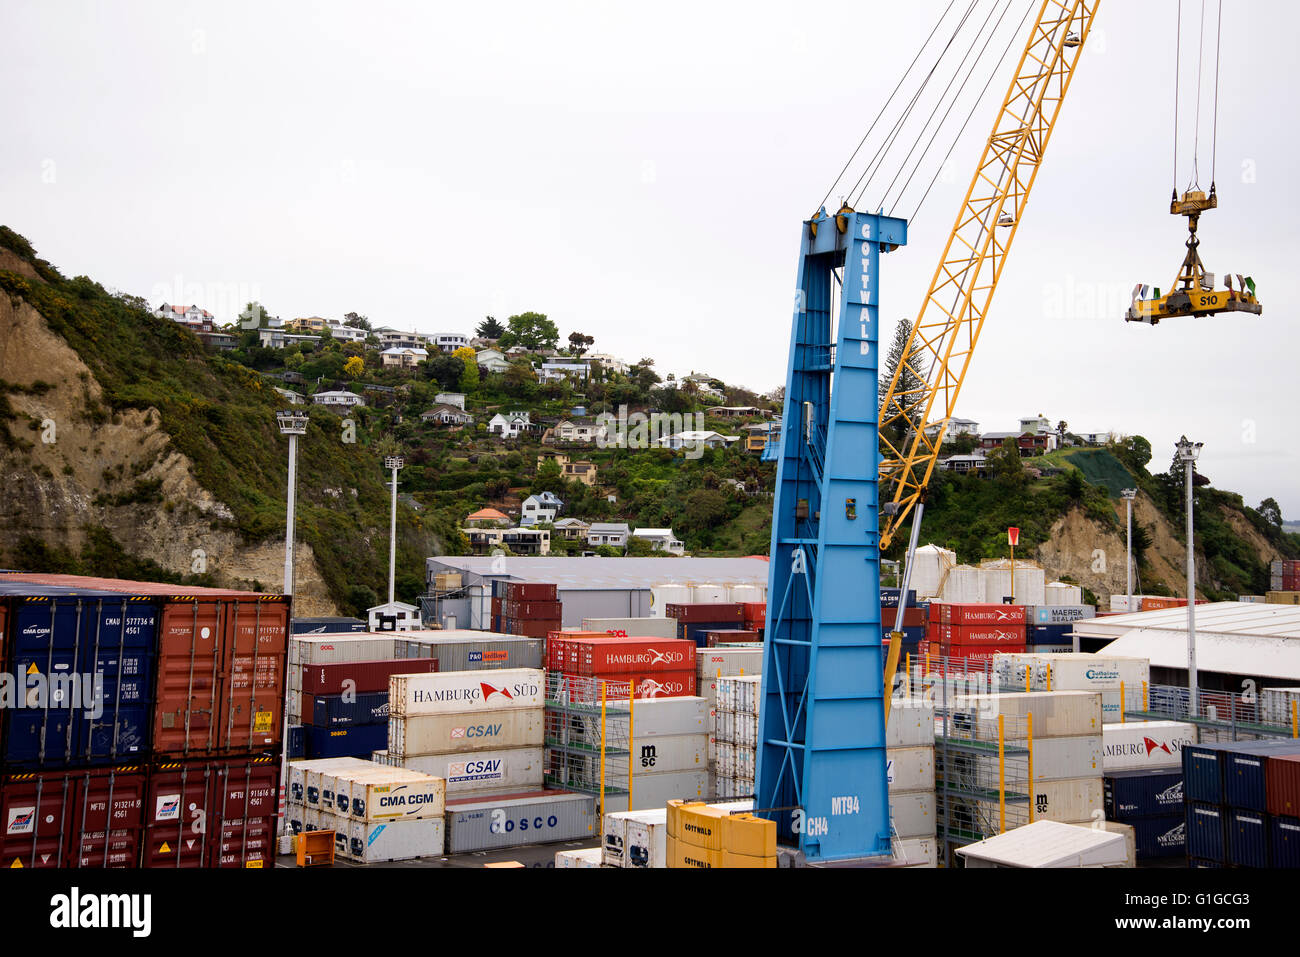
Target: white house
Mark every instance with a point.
(540, 509)
(294, 397)
(578, 430)
(1035, 425)
(394, 338)
(449, 341)
(608, 533)
(702, 384)
(189, 315)
(662, 540)
(494, 360)
(346, 333)
(277, 338)
(403, 357)
(394, 616)
(572, 528)
(607, 362)
(557, 370)
(1095, 438)
(694, 439)
(451, 398)
(956, 427)
(509, 424)
(341, 399)
(446, 415)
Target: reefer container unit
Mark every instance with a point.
(1144, 792)
(365, 676)
(635, 838)
(92, 817)
(1056, 714)
(460, 733)
(714, 663)
(1280, 706)
(966, 636)
(1146, 744)
(369, 842)
(518, 769)
(335, 649)
(977, 614)
(86, 660)
(384, 793)
(1072, 757)
(511, 819)
(455, 692)
(632, 627)
(655, 790)
(296, 787)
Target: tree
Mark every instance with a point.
(1006, 466)
(549, 478)
(909, 383)
(578, 343)
(445, 370)
(355, 320)
(643, 376)
(1134, 451)
(354, 367)
(1271, 511)
(532, 330)
(469, 377)
(521, 380)
(705, 508)
(490, 328)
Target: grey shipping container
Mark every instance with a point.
(336, 649)
(512, 819)
(472, 651)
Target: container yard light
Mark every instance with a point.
(395, 463)
(1129, 495)
(292, 424)
(1187, 453)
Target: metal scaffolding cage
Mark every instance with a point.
(588, 734)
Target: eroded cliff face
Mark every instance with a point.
(78, 465)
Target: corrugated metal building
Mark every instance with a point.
(591, 587)
(1234, 641)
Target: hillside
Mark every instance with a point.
(128, 448)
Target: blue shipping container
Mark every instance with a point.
(1206, 832)
(889, 597)
(297, 743)
(1155, 837)
(1285, 841)
(1145, 792)
(326, 626)
(1203, 773)
(1247, 838)
(1049, 634)
(86, 660)
(357, 742)
(332, 711)
(1243, 771)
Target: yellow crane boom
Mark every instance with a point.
(952, 314)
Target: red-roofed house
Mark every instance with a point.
(489, 517)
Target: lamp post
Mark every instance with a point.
(292, 424)
(1129, 494)
(393, 462)
(1187, 454)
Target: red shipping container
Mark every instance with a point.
(530, 628)
(705, 612)
(531, 591)
(976, 654)
(664, 684)
(60, 818)
(755, 614)
(497, 604)
(219, 813)
(557, 646)
(4, 627)
(176, 815)
(532, 609)
(366, 676)
(610, 656)
(1282, 784)
(978, 634)
(982, 614)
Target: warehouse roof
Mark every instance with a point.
(1232, 637)
(610, 573)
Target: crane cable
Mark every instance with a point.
(1196, 134)
(899, 86)
(1214, 137)
(1178, 61)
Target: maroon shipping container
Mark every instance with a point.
(981, 614)
(533, 610)
(218, 813)
(978, 634)
(366, 676)
(611, 656)
(62, 818)
(530, 628)
(4, 628)
(497, 603)
(531, 591)
(1282, 784)
(731, 611)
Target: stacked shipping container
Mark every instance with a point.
(525, 608)
(1243, 804)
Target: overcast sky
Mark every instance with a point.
(639, 173)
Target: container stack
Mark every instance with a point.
(344, 706)
(1149, 800)
(975, 632)
(755, 616)
(461, 650)
(909, 737)
(713, 664)
(1067, 671)
(915, 619)
(1050, 628)
(146, 708)
(1284, 575)
(736, 736)
(695, 619)
(705, 836)
(1242, 803)
(377, 813)
(636, 838)
(622, 627)
(655, 667)
(343, 648)
(525, 608)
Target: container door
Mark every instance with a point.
(108, 818)
(42, 729)
(252, 700)
(245, 803)
(119, 636)
(176, 815)
(189, 677)
(34, 811)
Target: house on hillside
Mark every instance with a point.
(702, 383)
(489, 517)
(451, 398)
(608, 533)
(540, 509)
(402, 357)
(734, 411)
(579, 431)
(390, 338)
(446, 415)
(519, 541)
(557, 370)
(509, 425)
(661, 540)
(1029, 443)
(974, 462)
(572, 529)
(493, 360)
(294, 398)
(580, 471)
(956, 427)
(694, 439)
(1036, 424)
(449, 341)
(339, 399)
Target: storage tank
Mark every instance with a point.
(1061, 593)
(964, 585)
(997, 584)
(928, 569)
(711, 593)
(748, 593)
(663, 595)
(1031, 582)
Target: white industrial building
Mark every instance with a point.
(597, 587)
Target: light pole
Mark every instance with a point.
(1187, 454)
(1129, 494)
(292, 424)
(395, 463)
